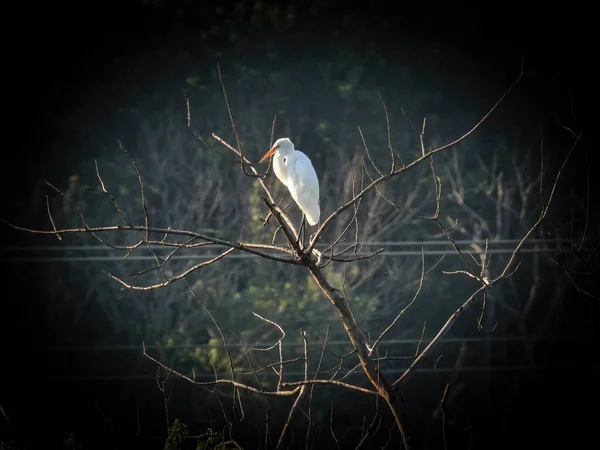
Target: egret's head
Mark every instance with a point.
(284, 145)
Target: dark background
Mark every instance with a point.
(53, 54)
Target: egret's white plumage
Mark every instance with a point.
(294, 169)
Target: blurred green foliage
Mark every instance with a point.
(177, 433)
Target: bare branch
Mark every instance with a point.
(270, 366)
(216, 324)
(58, 235)
(463, 272)
(443, 411)
(445, 328)
(421, 136)
(249, 248)
(108, 194)
(300, 394)
(233, 127)
(141, 183)
(331, 382)
(587, 200)
(367, 152)
(337, 443)
(275, 324)
(175, 278)
(389, 135)
(480, 318)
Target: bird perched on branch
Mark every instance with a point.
(294, 169)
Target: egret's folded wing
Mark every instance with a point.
(304, 186)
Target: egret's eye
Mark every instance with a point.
(284, 160)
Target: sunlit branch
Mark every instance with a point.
(482, 313)
(249, 248)
(445, 328)
(288, 229)
(163, 260)
(270, 366)
(368, 153)
(329, 382)
(248, 163)
(175, 278)
(84, 222)
(356, 257)
(58, 235)
(107, 193)
(343, 232)
(389, 136)
(463, 272)
(275, 324)
(253, 372)
(233, 127)
(141, 183)
(300, 394)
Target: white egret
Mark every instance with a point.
(294, 169)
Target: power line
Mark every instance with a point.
(246, 255)
(500, 246)
(425, 243)
(407, 341)
(297, 376)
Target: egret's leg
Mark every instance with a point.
(304, 227)
(300, 241)
(311, 234)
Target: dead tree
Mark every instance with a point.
(367, 181)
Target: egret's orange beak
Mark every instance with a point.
(269, 153)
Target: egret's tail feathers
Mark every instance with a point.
(313, 215)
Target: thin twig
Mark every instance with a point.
(108, 194)
(401, 313)
(58, 235)
(181, 276)
(331, 382)
(389, 134)
(443, 411)
(233, 127)
(290, 416)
